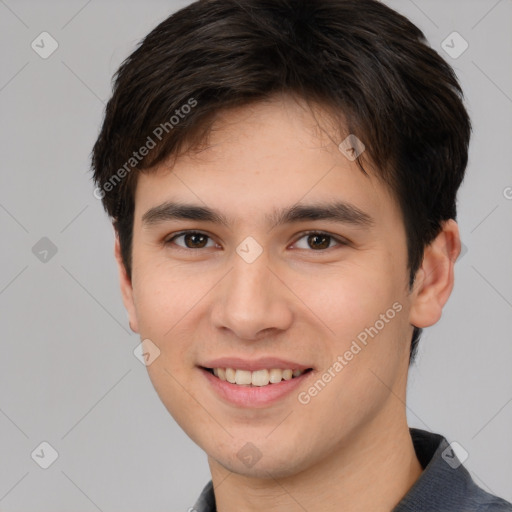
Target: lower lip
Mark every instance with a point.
(254, 396)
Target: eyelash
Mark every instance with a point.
(339, 241)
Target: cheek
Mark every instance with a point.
(164, 302)
(362, 312)
(171, 303)
(348, 299)
(364, 360)
(163, 296)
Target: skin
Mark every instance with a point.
(350, 445)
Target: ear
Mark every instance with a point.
(126, 286)
(433, 283)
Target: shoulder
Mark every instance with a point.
(481, 501)
(445, 484)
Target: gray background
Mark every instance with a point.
(68, 375)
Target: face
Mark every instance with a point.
(270, 250)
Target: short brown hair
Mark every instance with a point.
(357, 58)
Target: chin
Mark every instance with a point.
(253, 463)
(260, 470)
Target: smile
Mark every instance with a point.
(258, 378)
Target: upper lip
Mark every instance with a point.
(263, 363)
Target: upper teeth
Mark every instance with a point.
(257, 378)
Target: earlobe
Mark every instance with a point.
(126, 287)
(434, 280)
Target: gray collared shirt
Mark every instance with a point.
(444, 486)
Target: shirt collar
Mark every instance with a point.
(444, 486)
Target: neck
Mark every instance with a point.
(371, 471)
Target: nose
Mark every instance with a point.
(252, 302)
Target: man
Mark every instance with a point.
(282, 178)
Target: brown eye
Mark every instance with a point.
(195, 240)
(190, 240)
(318, 241)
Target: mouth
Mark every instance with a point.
(258, 378)
(254, 383)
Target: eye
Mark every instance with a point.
(318, 240)
(191, 240)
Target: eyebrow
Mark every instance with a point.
(338, 211)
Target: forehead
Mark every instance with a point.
(269, 154)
